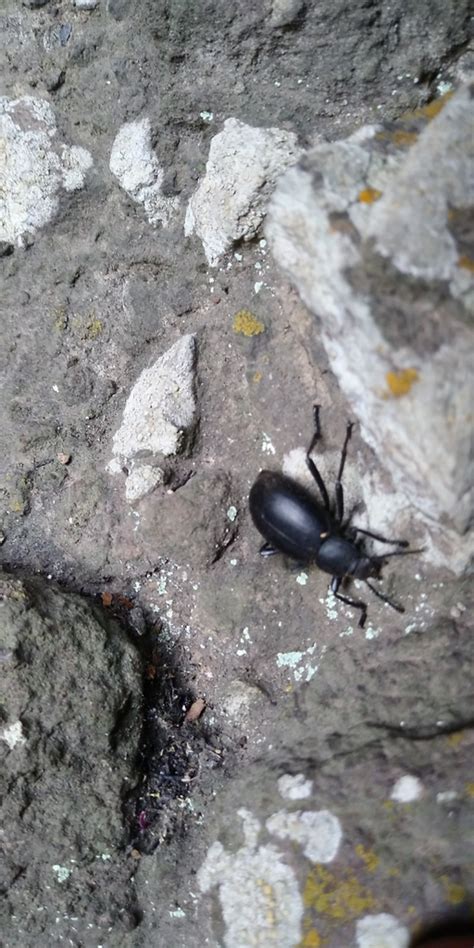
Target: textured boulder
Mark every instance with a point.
(71, 720)
(230, 202)
(159, 415)
(137, 169)
(374, 233)
(34, 167)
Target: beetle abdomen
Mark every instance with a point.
(287, 516)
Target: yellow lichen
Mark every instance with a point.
(257, 377)
(311, 940)
(467, 263)
(369, 858)
(394, 873)
(247, 324)
(455, 894)
(341, 898)
(60, 318)
(400, 383)
(94, 328)
(369, 195)
(470, 789)
(455, 739)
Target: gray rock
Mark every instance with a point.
(71, 721)
(241, 171)
(372, 235)
(135, 165)
(285, 12)
(192, 523)
(160, 413)
(37, 167)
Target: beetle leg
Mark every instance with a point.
(355, 603)
(267, 550)
(311, 465)
(339, 488)
(376, 536)
(386, 599)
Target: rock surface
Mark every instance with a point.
(132, 161)
(34, 167)
(370, 231)
(230, 202)
(323, 794)
(158, 418)
(71, 721)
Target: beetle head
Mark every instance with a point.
(367, 566)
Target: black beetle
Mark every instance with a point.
(293, 522)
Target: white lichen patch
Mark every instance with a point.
(302, 579)
(260, 900)
(177, 913)
(381, 931)
(62, 873)
(13, 734)
(34, 167)
(141, 481)
(294, 787)
(231, 513)
(134, 164)
(407, 789)
(230, 201)
(318, 832)
(267, 446)
(160, 410)
(371, 633)
(302, 668)
(446, 796)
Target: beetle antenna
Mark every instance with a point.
(384, 556)
(381, 596)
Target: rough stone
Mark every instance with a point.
(362, 228)
(138, 171)
(160, 412)
(285, 12)
(71, 707)
(35, 167)
(381, 931)
(190, 524)
(230, 202)
(297, 696)
(141, 480)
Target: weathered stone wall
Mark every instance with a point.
(169, 315)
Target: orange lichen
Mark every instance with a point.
(369, 858)
(341, 898)
(403, 138)
(398, 136)
(429, 111)
(467, 263)
(247, 324)
(400, 383)
(369, 195)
